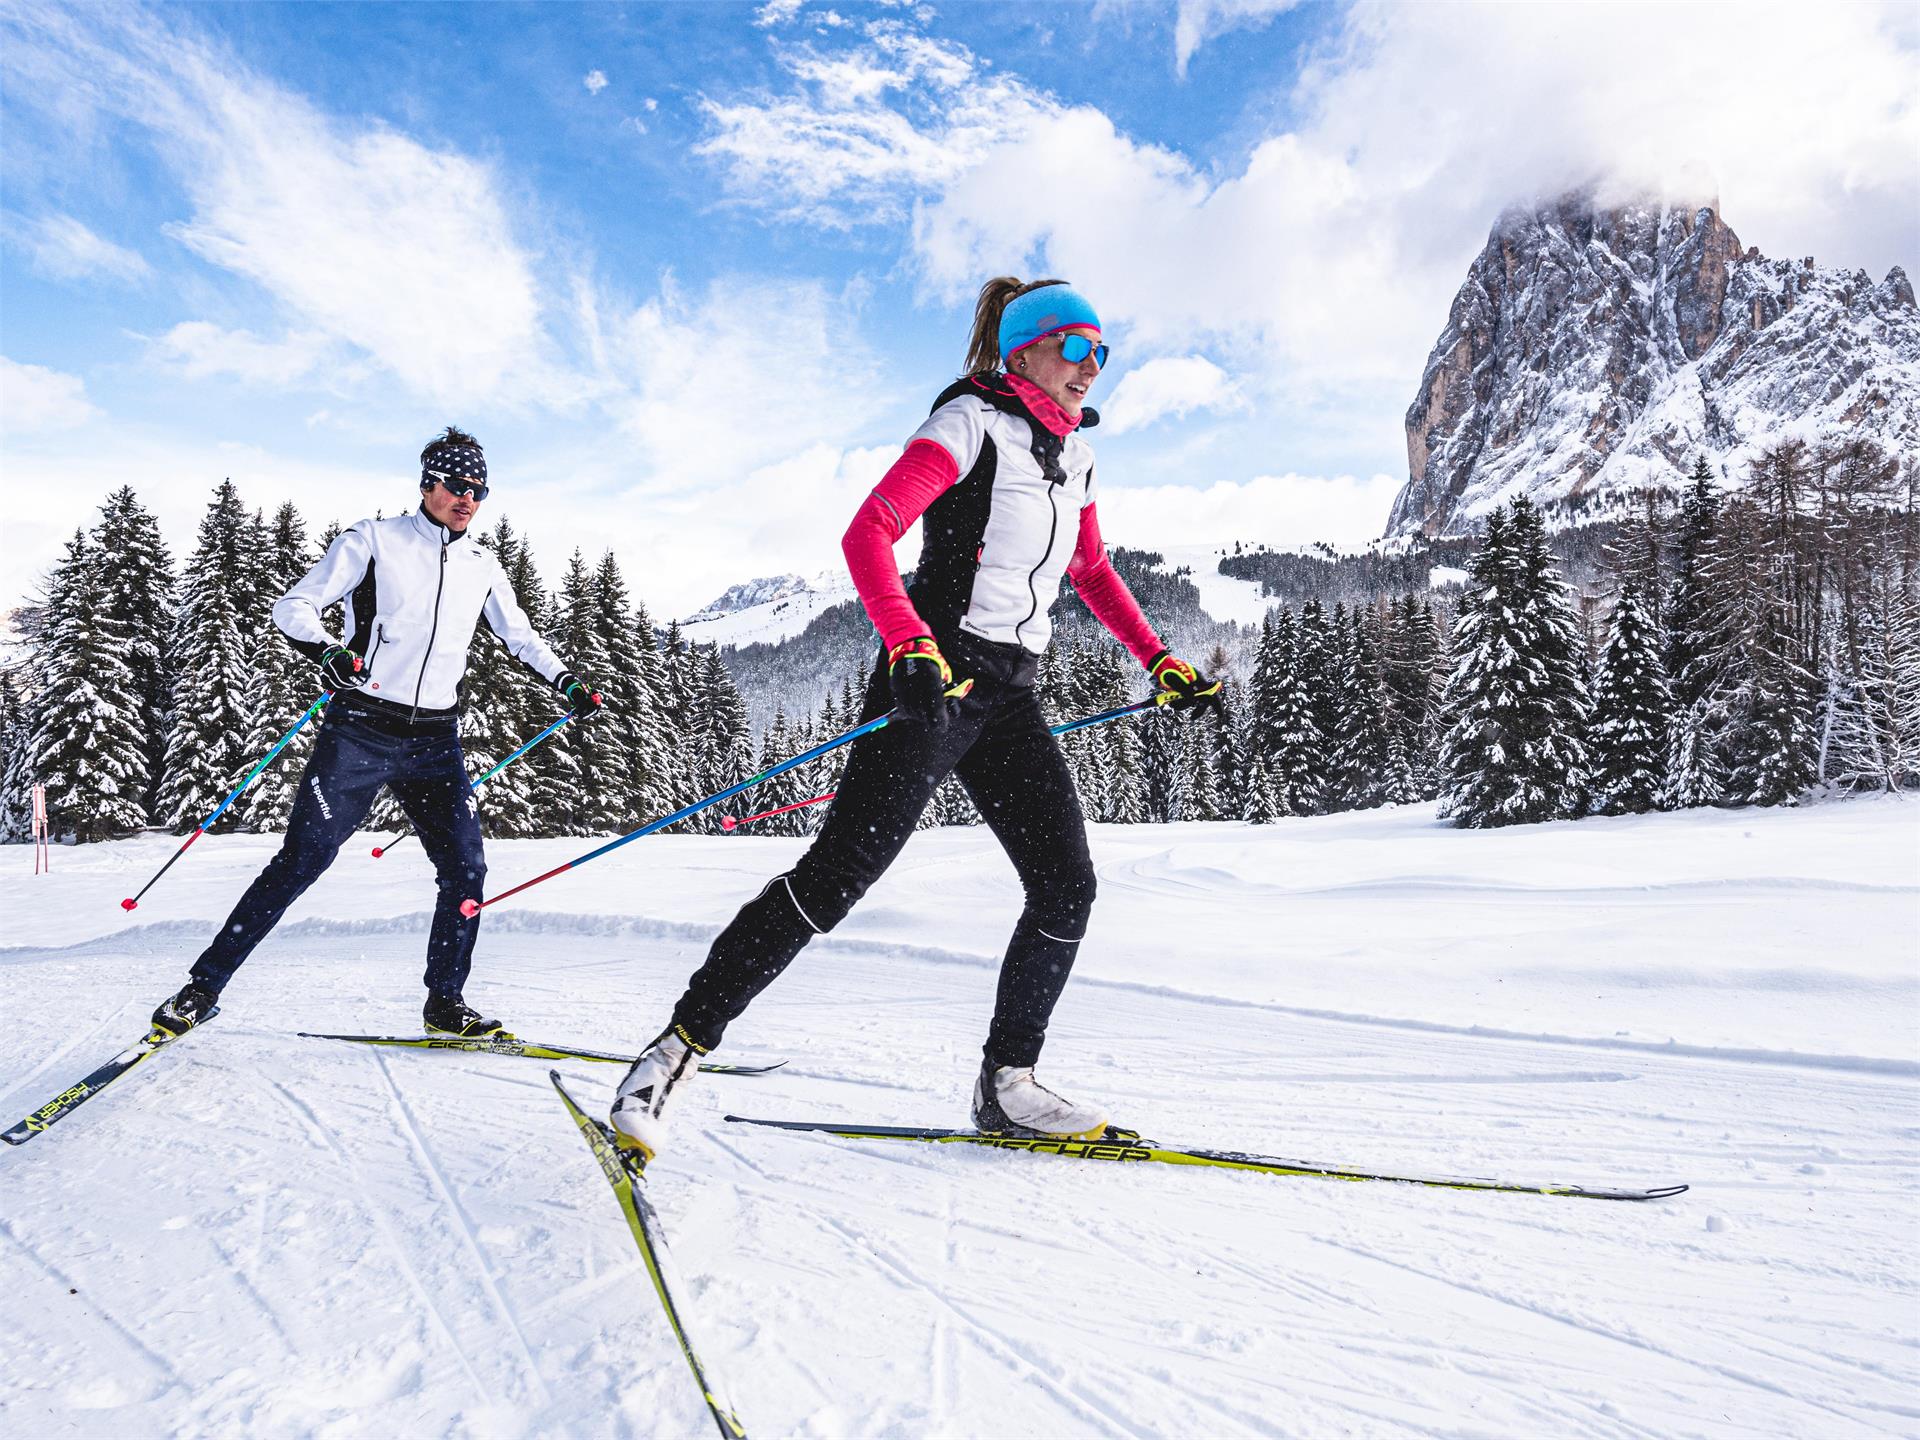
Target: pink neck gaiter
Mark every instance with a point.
(1044, 407)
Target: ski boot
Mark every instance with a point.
(661, 1076)
(185, 1010)
(450, 1015)
(1007, 1100)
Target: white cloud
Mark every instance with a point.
(776, 12)
(738, 377)
(62, 248)
(1276, 510)
(199, 351)
(34, 399)
(867, 128)
(651, 104)
(595, 81)
(401, 250)
(1174, 385)
(1198, 21)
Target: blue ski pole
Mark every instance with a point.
(238, 791)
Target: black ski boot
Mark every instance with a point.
(185, 1010)
(450, 1015)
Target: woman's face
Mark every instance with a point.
(1067, 384)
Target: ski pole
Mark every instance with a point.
(238, 791)
(471, 907)
(407, 829)
(733, 822)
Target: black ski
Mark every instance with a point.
(72, 1098)
(1125, 1145)
(624, 1171)
(505, 1044)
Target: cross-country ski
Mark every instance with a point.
(625, 1174)
(501, 1043)
(1125, 1147)
(81, 1091)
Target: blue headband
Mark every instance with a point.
(1045, 311)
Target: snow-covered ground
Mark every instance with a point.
(1224, 597)
(257, 1234)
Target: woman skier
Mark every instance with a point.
(1003, 479)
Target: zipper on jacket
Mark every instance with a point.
(434, 630)
(1053, 529)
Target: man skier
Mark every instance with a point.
(418, 584)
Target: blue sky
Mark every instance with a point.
(693, 271)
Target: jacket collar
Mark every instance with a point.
(431, 528)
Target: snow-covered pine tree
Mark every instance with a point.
(493, 722)
(721, 731)
(84, 732)
(1694, 775)
(779, 743)
(1687, 601)
(1294, 762)
(287, 684)
(1359, 748)
(679, 677)
(16, 802)
(1742, 663)
(593, 763)
(1778, 744)
(1257, 803)
(1903, 684)
(1433, 731)
(215, 672)
(1199, 740)
(1632, 712)
(1514, 753)
(539, 706)
(1313, 663)
(1163, 770)
(136, 576)
(631, 684)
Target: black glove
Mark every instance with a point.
(582, 698)
(340, 669)
(1182, 684)
(921, 678)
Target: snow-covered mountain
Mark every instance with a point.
(767, 610)
(1592, 351)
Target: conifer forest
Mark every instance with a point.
(1746, 641)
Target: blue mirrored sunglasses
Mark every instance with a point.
(1075, 348)
(457, 484)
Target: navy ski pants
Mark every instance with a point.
(997, 743)
(359, 750)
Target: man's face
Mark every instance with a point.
(456, 512)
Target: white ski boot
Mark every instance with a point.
(1007, 1100)
(660, 1077)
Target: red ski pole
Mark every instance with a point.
(734, 822)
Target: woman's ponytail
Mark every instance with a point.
(983, 345)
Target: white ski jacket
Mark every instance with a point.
(418, 591)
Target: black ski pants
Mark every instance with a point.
(996, 741)
(360, 749)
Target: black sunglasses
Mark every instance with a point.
(456, 484)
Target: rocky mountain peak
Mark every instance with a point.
(1594, 348)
